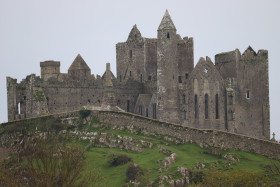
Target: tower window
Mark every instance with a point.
(206, 106)
(185, 114)
(168, 36)
(147, 112)
(217, 106)
(130, 53)
(248, 94)
(184, 99)
(141, 78)
(180, 79)
(120, 78)
(149, 77)
(195, 107)
(187, 75)
(130, 73)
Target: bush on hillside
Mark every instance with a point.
(84, 113)
(134, 172)
(116, 160)
(47, 161)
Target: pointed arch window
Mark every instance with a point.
(206, 106)
(217, 106)
(195, 107)
(140, 110)
(168, 35)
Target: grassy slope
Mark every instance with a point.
(188, 155)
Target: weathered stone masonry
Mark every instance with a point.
(203, 137)
(156, 78)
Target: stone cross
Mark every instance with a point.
(273, 134)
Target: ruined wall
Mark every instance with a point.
(130, 57)
(252, 94)
(226, 63)
(185, 58)
(49, 69)
(206, 97)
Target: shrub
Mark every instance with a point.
(47, 161)
(134, 172)
(84, 113)
(116, 160)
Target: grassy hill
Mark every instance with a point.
(152, 153)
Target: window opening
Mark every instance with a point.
(184, 99)
(149, 77)
(168, 36)
(180, 79)
(195, 107)
(187, 75)
(248, 94)
(140, 110)
(127, 105)
(154, 110)
(130, 53)
(206, 106)
(147, 112)
(217, 106)
(185, 114)
(19, 108)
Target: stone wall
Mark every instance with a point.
(205, 138)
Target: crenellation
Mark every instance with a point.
(156, 78)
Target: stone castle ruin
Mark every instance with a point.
(156, 78)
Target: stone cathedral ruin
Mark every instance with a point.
(156, 78)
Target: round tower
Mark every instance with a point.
(167, 71)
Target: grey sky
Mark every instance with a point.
(35, 30)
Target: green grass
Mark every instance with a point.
(188, 155)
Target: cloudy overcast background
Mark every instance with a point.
(32, 31)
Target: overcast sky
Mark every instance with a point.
(32, 31)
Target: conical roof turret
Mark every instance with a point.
(166, 22)
(79, 64)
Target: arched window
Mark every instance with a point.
(140, 110)
(184, 99)
(206, 106)
(217, 106)
(19, 110)
(195, 107)
(168, 36)
(248, 94)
